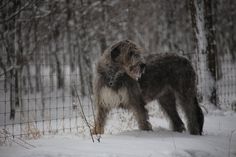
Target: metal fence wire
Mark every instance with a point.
(39, 99)
(48, 47)
(34, 101)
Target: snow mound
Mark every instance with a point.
(219, 140)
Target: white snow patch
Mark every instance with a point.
(218, 140)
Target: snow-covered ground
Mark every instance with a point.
(122, 139)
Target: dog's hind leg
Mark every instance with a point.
(193, 113)
(168, 105)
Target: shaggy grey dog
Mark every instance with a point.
(125, 79)
(115, 85)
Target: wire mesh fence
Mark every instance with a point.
(41, 101)
(48, 47)
(225, 82)
(33, 110)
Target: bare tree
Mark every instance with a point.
(202, 22)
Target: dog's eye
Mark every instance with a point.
(136, 56)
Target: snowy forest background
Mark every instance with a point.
(49, 47)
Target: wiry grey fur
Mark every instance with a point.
(167, 78)
(113, 87)
(171, 79)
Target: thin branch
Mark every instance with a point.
(20, 141)
(27, 143)
(98, 136)
(204, 108)
(2, 66)
(9, 69)
(2, 6)
(17, 12)
(91, 100)
(82, 113)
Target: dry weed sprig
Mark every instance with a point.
(83, 115)
(19, 141)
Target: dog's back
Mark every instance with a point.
(164, 71)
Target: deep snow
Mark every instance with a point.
(219, 140)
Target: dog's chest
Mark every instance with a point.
(112, 98)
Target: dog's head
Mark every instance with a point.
(129, 57)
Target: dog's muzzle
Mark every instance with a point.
(137, 70)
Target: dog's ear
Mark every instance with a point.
(115, 53)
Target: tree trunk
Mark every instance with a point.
(202, 23)
(102, 35)
(68, 35)
(211, 47)
(232, 30)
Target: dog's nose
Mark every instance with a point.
(110, 83)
